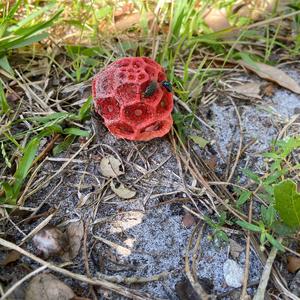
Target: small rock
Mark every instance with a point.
(295, 285)
(233, 273)
(50, 241)
(47, 286)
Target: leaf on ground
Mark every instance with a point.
(64, 145)
(293, 264)
(244, 196)
(273, 74)
(76, 131)
(11, 256)
(200, 141)
(111, 166)
(75, 233)
(47, 286)
(122, 191)
(83, 199)
(250, 89)
(287, 202)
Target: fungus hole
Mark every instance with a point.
(153, 127)
(131, 77)
(141, 76)
(151, 71)
(122, 75)
(150, 62)
(136, 64)
(124, 63)
(137, 113)
(164, 105)
(109, 108)
(121, 128)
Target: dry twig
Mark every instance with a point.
(131, 294)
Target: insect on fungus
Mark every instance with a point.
(150, 89)
(167, 85)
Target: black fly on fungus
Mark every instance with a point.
(150, 89)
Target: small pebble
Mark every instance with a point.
(233, 273)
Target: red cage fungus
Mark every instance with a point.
(132, 100)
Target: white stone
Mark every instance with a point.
(233, 273)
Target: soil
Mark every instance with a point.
(145, 236)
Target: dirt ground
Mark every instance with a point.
(146, 238)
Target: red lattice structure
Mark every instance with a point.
(131, 99)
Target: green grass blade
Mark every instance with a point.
(39, 26)
(31, 17)
(249, 226)
(4, 64)
(13, 10)
(25, 42)
(85, 110)
(7, 18)
(76, 131)
(26, 161)
(55, 116)
(64, 145)
(28, 32)
(4, 155)
(3, 102)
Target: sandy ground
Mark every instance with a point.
(146, 236)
